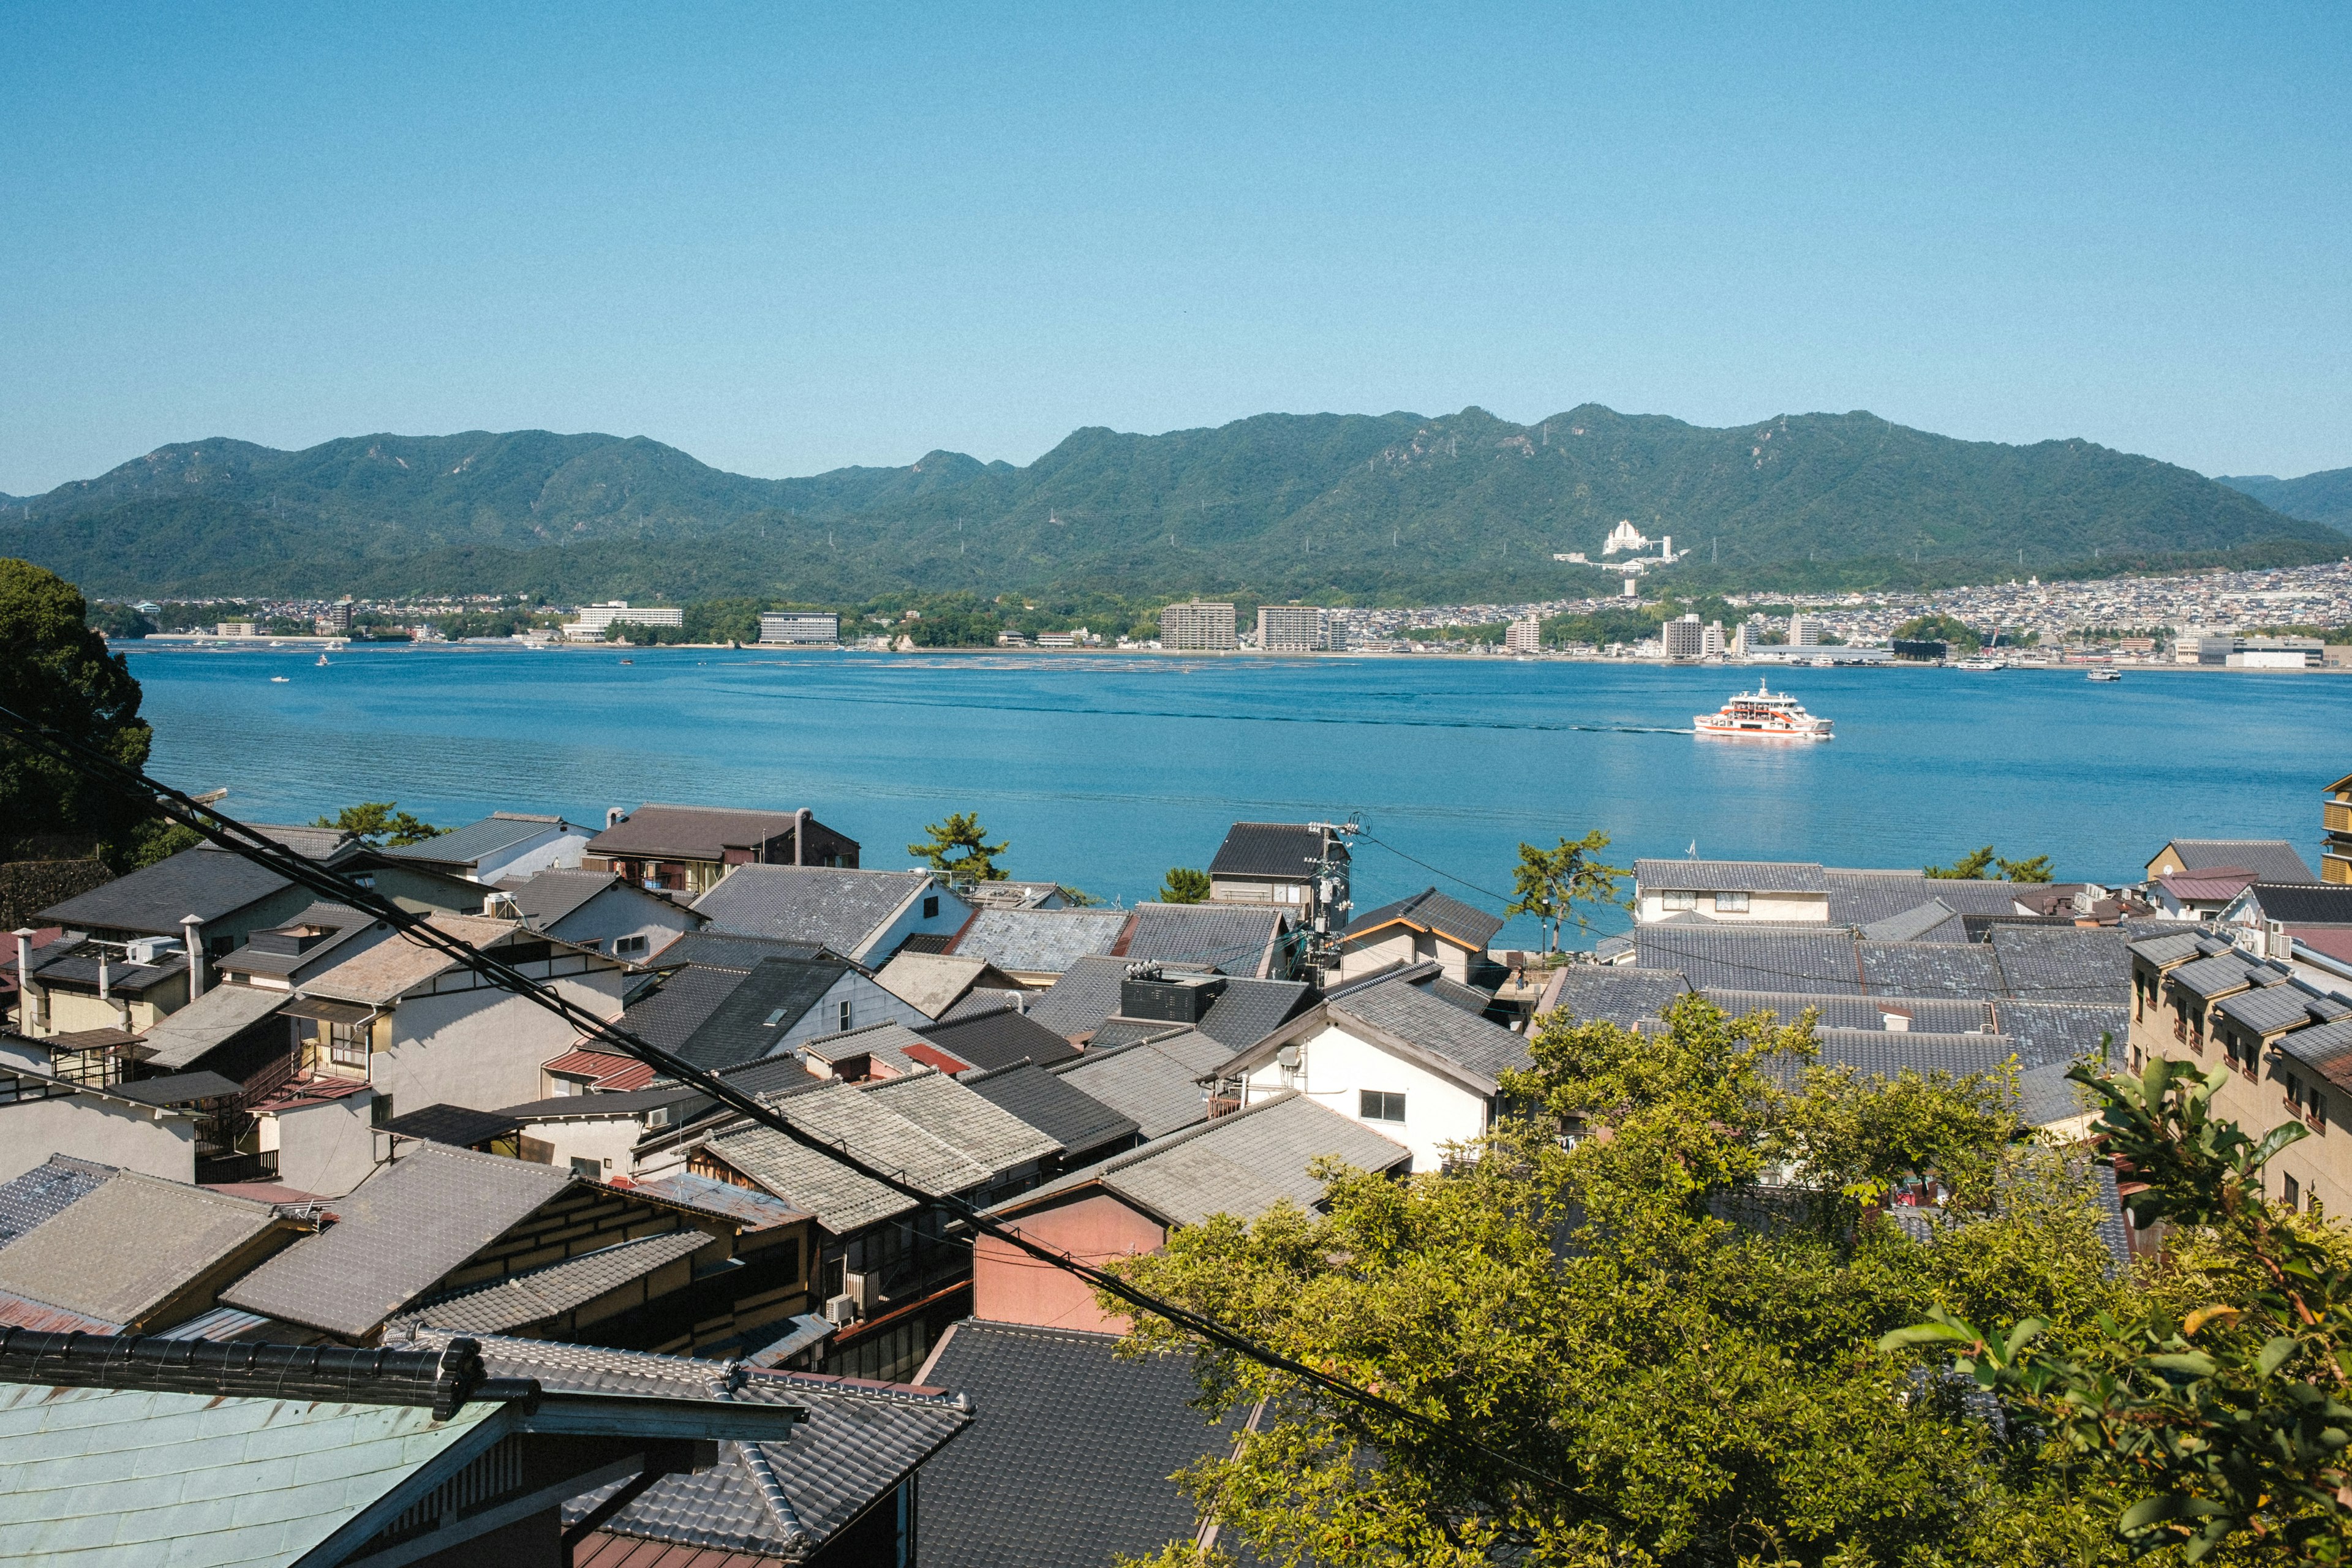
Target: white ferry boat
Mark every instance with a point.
(1978, 664)
(2104, 675)
(1763, 714)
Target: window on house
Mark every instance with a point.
(1678, 900)
(1731, 904)
(931, 907)
(775, 1019)
(380, 1110)
(631, 946)
(2293, 1192)
(848, 1012)
(1374, 1105)
(584, 1166)
(365, 880)
(347, 1044)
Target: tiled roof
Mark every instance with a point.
(1052, 1104)
(1934, 1014)
(1930, 969)
(1068, 1464)
(1119, 1031)
(671, 1016)
(1291, 850)
(1238, 939)
(990, 1136)
(1412, 1015)
(1751, 960)
(771, 1500)
(1202, 1053)
(1864, 897)
(1883, 1052)
(468, 845)
(1432, 910)
(999, 1039)
(1614, 994)
(308, 839)
(1730, 876)
(2179, 944)
(1039, 941)
(397, 965)
(754, 1015)
(1248, 1010)
(752, 1210)
(2063, 964)
(49, 1188)
(2224, 972)
(400, 1230)
(842, 1200)
(690, 832)
(2273, 859)
(2325, 1047)
(546, 898)
(610, 1072)
(886, 1045)
(733, 949)
(1241, 1165)
(205, 882)
(539, 1294)
(2305, 904)
(130, 1244)
(1086, 994)
(213, 1019)
(2218, 884)
(1138, 1081)
(340, 922)
(2054, 1034)
(842, 909)
(2275, 1007)
(1933, 921)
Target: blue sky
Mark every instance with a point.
(790, 239)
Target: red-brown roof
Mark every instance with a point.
(2208, 884)
(611, 1072)
(2335, 941)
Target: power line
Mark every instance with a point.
(252, 845)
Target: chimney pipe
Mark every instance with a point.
(192, 938)
(24, 935)
(800, 836)
(103, 994)
(613, 815)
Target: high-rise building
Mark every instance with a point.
(1685, 638)
(798, 627)
(1525, 636)
(1198, 626)
(1711, 645)
(1804, 631)
(337, 621)
(1293, 628)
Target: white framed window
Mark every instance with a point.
(1731, 904)
(1678, 900)
(849, 1014)
(347, 1044)
(1378, 1105)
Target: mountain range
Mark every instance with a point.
(2323, 496)
(1395, 508)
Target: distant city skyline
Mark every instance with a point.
(788, 242)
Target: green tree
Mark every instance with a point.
(958, 849)
(1561, 884)
(1941, 628)
(1675, 1357)
(1976, 863)
(55, 670)
(379, 822)
(1184, 885)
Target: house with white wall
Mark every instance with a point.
(595, 910)
(41, 1115)
(1736, 892)
(1390, 1052)
(1427, 928)
(503, 844)
(863, 915)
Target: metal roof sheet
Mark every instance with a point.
(2298, 904)
(213, 1019)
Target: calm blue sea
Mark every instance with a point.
(1104, 772)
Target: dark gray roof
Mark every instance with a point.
(1140, 1082)
(1930, 969)
(685, 1001)
(1865, 896)
(690, 832)
(1779, 959)
(1086, 994)
(2054, 1034)
(842, 1200)
(205, 882)
(1039, 941)
(544, 900)
(1060, 1110)
(1068, 1465)
(575, 1107)
(1238, 939)
(839, 908)
(468, 845)
(1885, 1053)
(2320, 1047)
(400, 1230)
(1730, 876)
(342, 924)
(1241, 1165)
(49, 1188)
(1248, 1010)
(1933, 1015)
(1412, 1015)
(780, 1501)
(998, 1039)
(2275, 1007)
(1620, 994)
(2223, 971)
(1269, 850)
(75, 963)
(2304, 903)
(1932, 921)
(733, 949)
(2271, 859)
(2179, 944)
(1429, 909)
(972, 1124)
(2063, 964)
(1119, 1031)
(211, 1020)
(738, 1028)
(179, 1089)
(459, 1126)
(1202, 1053)
(538, 1294)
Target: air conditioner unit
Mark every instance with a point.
(841, 1311)
(150, 950)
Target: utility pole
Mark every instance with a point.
(1332, 903)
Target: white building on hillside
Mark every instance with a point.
(593, 619)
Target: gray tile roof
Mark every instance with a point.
(1086, 994)
(1238, 939)
(467, 845)
(400, 1230)
(1247, 1011)
(1932, 921)
(1202, 1052)
(1140, 1082)
(2304, 903)
(2275, 1007)
(2224, 972)
(129, 1245)
(986, 1132)
(1289, 850)
(1432, 910)
(1779, 959)
(1883, 1053)
(211, 1020)
(1930, 969)
(49, 1188)
(546, 898)
(842, 1200)
(205, 882)
(2054, 1034)
(1865, 896)
(2063, 964)
(1730, 876)
(630, 1102)
(2272, 859)
(842, 909)
(738, 1028)
(2322, 1046)
(1932, 1015)
(1117, 1031)
(998, 1039)
(671, 1016)
(1623, 995)
(985, 999)
(1068, 1464)
(539, 1294)
(731, 950)
(774, 1501)
(1413, 1015)
(1057, 1108)
(884, 1044)
(1242, 1165)
(1039, 941)
(2178, 945)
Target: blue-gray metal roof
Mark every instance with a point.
(469, 844)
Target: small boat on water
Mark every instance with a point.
(279, 679)
(322, 658)
(1763, 714)
(2104, 675)
(1978, 664)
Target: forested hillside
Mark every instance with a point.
(2324, 497)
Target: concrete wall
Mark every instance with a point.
(327, 1148)
(1008, 1286)
(869, 1004)
(619, 913)
(88, 1128)
(606, 1140)
(549, 852)
(481, 1048)
(1335, 1067)
(954, 912)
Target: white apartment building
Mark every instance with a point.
(1525, 636)
(1294, 628)
(593, 619)
(1685, 638)
(1198, 626)
(1711, 645)
(1804, 630)
(798, 627)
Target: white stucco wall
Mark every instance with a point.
(1334, 1066)
(609, 1139)
(328, 1148)
(481, 1049)
(90, 1128)
(954, 912)
(618, 914)
(869, 1004)
(553, 851)
(1777, 908)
